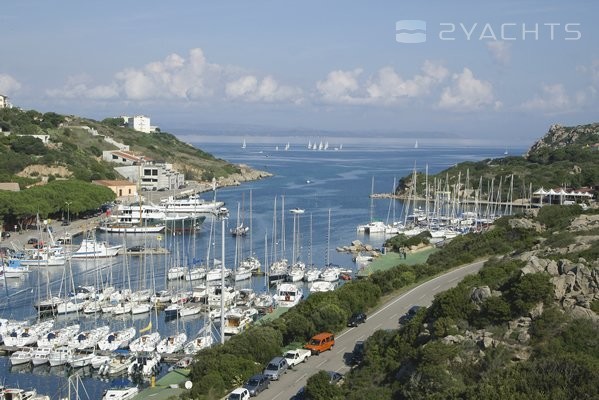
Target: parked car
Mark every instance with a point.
(275, 368)
(357, 355)
(407, 317)
(322, 342)
(32, 241)
(256, 384)
(65, 223)
(5, 234)
(335, 377)
(239, 394)
(356, 319)
(136, 249)
(300, 395)
(294, 357)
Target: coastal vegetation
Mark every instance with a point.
(566, 157)
(73, 152)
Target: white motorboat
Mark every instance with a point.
(21, 356)
(161, 297)
(172, 344)
(44, 257)
(215, 274)
(122, 308)
(40, 355)
(93, 249)
(330, 274)
(278, 271)
(288, 294)
(99, 360)
(117, 339)
(118, 364)
(121, 394)
(321, 286)
(145, 365)
(194, 204)
(236, 321)
(80, 360)
(131, 228)
(22, 394)
(14, 269)
(251, 262)
(190, 309)
(60, 356)
(145, 342)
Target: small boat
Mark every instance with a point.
(117, 339)
(288, 295)
(203, 340)
(194, 274)
(40, 355)
(80, 360)
(99, 360)
(172, 344)
(58, 337)
(22, 394)
(240, 230)
(176, 273)
(321, 286)
(236, 320)
(60, 356)
(118, 364)
(121, 394)
(21, 356)
(93, 249)
(88, 339)
(190, 309)
(145, 342)
(311, 274)
(146, 365)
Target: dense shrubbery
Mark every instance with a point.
(401, 241)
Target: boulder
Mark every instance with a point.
(356, 243)
(479, 294)
(552, 268)
(564, 266)
(536, 311)
(523, 337)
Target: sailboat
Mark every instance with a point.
(243, 145)
(416, 144)
(287, 146)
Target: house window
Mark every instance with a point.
(120, 192)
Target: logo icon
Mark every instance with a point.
(410, 31)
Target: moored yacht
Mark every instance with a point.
(288, 294)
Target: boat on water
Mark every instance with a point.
(321, 286)
(240, 230)
(202, 341)
(91, 248)
(145, 365)
(131, 228)
(21, 394)
(47, 256)
(288, 295)
(172, 344)
(117, 339)
(58, 337)
(193, 204)
(121, 393)
(145, 342)
(119, 363)
(40, 355)
(277, 271)
(21, 356)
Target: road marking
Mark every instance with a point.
(341, 350)
(322, 362)
(437, 287)
(301, 377)
(377, 327)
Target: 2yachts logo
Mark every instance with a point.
(415, 31)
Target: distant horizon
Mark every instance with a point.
(479, 71)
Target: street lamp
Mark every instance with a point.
(68, 203)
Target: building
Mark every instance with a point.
(4, 102)
(122, 189)
(123, 157)
(140, 123)
(158, 176)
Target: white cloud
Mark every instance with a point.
(8, 84)
(389, 87)
(386, 87)
(80, 87)
(248, 88)
(552, 98)
(500, 51)
(468, 93)
(339, 87)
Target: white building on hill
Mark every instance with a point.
(4, 102)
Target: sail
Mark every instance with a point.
(147, 328)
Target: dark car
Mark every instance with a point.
(407, 317)
(32, 241)
(256, 384)
(300, 395)
(335, 377)
(356, 319)
(136, 249)
(65, 223)
(357, 355)
(5, 234)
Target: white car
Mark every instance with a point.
(239, 394)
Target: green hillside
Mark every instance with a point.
(565, 157)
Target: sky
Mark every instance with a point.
(500, 71)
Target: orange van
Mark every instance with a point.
(321, 342)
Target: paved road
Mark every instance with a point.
(386, 317)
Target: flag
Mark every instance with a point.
(147, 328)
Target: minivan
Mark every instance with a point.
(276, 367)
(321, 342)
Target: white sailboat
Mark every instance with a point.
(243, 145)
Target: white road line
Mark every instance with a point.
(322, 362)
(436, 287)
(301, 377)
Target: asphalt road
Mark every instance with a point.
(386, 317)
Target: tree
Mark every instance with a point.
(318, 387)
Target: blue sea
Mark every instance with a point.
(332, 186)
